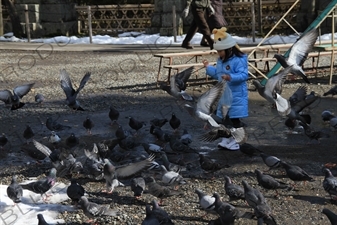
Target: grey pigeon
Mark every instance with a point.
(158, 122)
(137, 186)
(39, 98)
(269, 182)
(332, 91)
(313, 134)
(112, 173)
(93, 210)
(264, 215)
(160, 134)
(75, 191)
(327, 115)
(299, 53)
(158, 190)
(177, 146)
(207, 104)
(273, 85)
(177, 85)
(234, 191)
(174, 122)
(88, 124)
(70, 92)
(170, 166)
(28, 133)
(52, 125)
(205, 201)
(13, 100)
(331, 216)
(54, 156)
(113, 114)
(14, 191)
(161, 214)
(208, 165)
(186, 138)
(135, 124)
(271, 161)
(330, 184)
(296, 173)
(249, 150)
(253, 196)
(150, 218)
(43, 185)
(54, 138)
(41, 220)
(333, 123)
(171, 177)
(298, 95)
(239, 134)
(152, 148)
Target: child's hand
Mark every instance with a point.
(205, 62)
(226, 77)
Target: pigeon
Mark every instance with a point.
(171, 177)
(43, 185)
(282, 105)
(14, 191)
(249, 150)
(331, 216)
(158, 122)
(273, 85)
(177, 85)
(186, 138)
(112, 173)
(207, 104)
(92, 210)
(161, 214)
(269, 182)
(158, 190)
(54, 138)
(312, 134)
(28, 133)
(152, 148)
(72, 141)
(332, 91)
(135, 124)
(70, 92)
(13, 100)
(75, 191)
(3, 140)
(54, 156)
(271, 161)
(234, 191)
(41, 220)
(327, 115)
(299, 53)
(264, 215)
(330, 184)
(39, 98)
(113, 114)
(174, 122)
(177, 146)
(333, 123)
(170, 166)
(52, 125)
(209, 165)
(160, 134)
(253, 196)
(296, 173)
(206, 201)
(88, 125)
(239, 134)
(298, 95)
(150, 218)
(121, 133)
(137, 186)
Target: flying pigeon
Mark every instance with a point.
(332, 91)
(43, 185)
(177, 85)
(330, 184)
(39, 98)
(88, 124)
(75, 191)
(71, 93)
(299, 53)
(13, 100)
(158, 190)
(93, 210)
(239, 134)
(207, 104)
(137, 186)
(174, 122)
(331, 216)
(234, 191)
(41, 220)
(298, 95)
(14, 191)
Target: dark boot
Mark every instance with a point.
(186, 45)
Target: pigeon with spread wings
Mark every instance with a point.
(12, 100)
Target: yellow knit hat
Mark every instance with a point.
(222, 40)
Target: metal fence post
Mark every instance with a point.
(27, 22)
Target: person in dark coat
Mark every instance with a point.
(199, 11)
(215, 20)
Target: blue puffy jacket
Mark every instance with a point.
(237, 68)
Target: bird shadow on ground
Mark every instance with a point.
(311, 199)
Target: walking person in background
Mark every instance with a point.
(215, 19)
(199, 11)
(231, 66)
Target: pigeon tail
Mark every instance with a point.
(299, 71)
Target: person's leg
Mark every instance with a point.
(191, 32)
(200, 20)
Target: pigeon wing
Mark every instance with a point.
(84, 80)
(94, 154)
(42, 148)
(276, 81)
(23, 89)
(298, 95)
(300, 50)
(128, 170)
(304, 103)
(66, 84)
(6, 96)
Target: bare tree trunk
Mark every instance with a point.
(15, 19)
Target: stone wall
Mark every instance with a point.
(48, 17)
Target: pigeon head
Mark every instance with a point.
(327, 172)
(41, 219)
(245, 185)
(258, 172)
(199, 193)
(83, 201)
(14, 177)
(216, 196)
(228, 180)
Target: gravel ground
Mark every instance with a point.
(127, 81)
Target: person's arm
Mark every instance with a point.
(187, 9)
(240, 71)
(210, 70)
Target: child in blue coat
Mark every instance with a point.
(231, 66)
